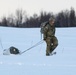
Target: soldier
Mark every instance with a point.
(49, 36)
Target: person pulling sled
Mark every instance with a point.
(49, 36)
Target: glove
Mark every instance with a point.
(44, 39)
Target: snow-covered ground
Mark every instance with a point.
(34, 61)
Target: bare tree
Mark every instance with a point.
(11, 21)
(20, 14)
(4, 21)
(72, 17)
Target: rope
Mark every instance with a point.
(40, 42)
(1, 43)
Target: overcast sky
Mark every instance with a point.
(35, 6)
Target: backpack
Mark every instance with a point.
(43, 26)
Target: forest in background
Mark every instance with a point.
(65, 18)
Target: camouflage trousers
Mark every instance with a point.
(52, 43)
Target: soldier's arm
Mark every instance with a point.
(45, 32)
(54, 31)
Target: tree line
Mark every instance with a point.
(65, 18)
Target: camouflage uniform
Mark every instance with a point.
(49, 37)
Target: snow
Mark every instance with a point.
(34, 61)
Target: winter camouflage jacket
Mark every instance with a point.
(49, 31)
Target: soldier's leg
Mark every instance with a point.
(48, 42)
(54, 43)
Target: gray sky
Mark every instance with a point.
(35, 6)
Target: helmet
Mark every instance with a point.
(51, 19)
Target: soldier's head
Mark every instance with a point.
(51, 21)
